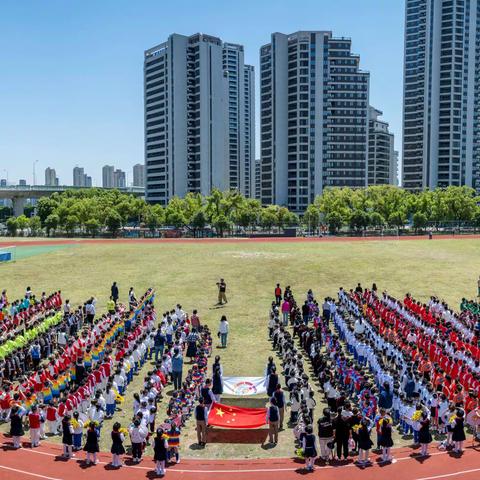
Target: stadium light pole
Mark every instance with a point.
(6, 171)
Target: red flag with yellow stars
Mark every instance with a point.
(228, 416)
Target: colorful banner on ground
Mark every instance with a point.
(244, 386)
(229, 416)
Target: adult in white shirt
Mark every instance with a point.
(359, 327)
(62, 338)
(66, 307)
(223, 329)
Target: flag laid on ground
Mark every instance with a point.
(244, 385)
(229, 416)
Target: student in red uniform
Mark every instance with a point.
(278, 295)
(34, 423)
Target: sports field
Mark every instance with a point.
(186, 272)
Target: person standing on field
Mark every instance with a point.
(132, 299)
(177, 368)
(223, 331)
(34, 423)
(201, 417)
(278, 295)
(222, 290)
(114, 292)
(273, 420)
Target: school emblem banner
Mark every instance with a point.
(243, 386)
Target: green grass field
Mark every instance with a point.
(186, 273)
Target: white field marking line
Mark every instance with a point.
(28, 473)
(252, 470)
(449, 474)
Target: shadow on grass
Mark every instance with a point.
(196, 446)
(216, 307)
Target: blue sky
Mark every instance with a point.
(71, 70)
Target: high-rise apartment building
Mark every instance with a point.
(107, 176)
(199, 104)
(51, 178)
(80, 178)
(382, 168)
(258, 179)
(441, 99)
(314, 117)
(139, 175)
(398, 173)
(119, 179)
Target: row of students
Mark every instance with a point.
(332, 344)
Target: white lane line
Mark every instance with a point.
(251, 470)
(28, 473)
(445, 475)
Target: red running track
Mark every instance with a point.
(46, 463)
(66, 241)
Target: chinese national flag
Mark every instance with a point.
(227, 416)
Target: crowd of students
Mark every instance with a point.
(27, 331)
(79, 383)
(175, 339)
(382, 365)
(82, 380)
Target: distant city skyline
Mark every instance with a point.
(87, 109)
(79, 178)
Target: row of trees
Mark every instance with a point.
(390, 206)
(90, 211)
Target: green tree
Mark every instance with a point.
(334, 221)
(5, 212)
(35, 225)
(397, 219)
(268, 217)
(22, 223)
(191, 206)
(175, 213)
(45, 207)
(359, 220)
(51, 223)
(12, 226)
(311, 217)
(71, 223)
(198, 222)
(420, 220)
(375, 219)
(154, 216)
(113, 221)
(283, 217)
(175, 218)
(476, 217)
(221, 223)
(248, 213)
(92, 226)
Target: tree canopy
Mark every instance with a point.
(92, 211)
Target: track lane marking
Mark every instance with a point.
(445, 475)
(29, 473)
